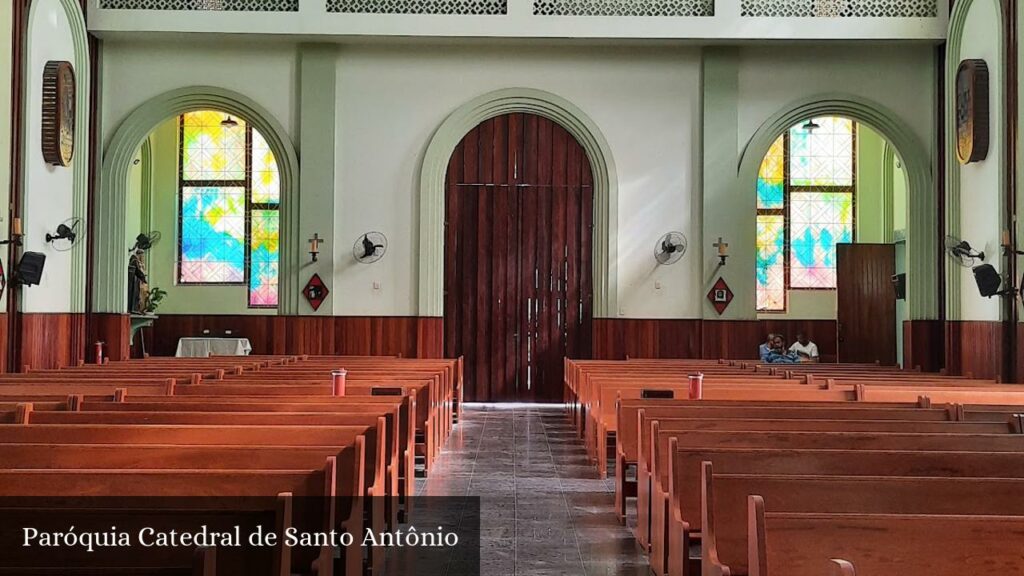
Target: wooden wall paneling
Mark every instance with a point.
(975, 348)
(924, 345)
(731, 339)
(52, 340)
(617, 339)
(114, 330)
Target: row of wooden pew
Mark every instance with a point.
(272, 436)
(784, 471)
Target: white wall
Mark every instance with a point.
(134, 72)
(645, 100)
(981, 198)
(391, 100)
(6, 23)
(48, 189)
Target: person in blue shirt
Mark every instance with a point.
(778, 354)
(765, 348)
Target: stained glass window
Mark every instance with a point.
(805, 198)
(229, 226)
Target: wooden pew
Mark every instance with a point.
(668, 442)
(724, 504)
(920, 545)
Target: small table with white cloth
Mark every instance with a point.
(205, 346)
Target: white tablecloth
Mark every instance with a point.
(203, 347)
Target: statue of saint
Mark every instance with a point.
(138, 285)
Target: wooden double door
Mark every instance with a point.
(518, 276)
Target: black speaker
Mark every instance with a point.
(30, 268)
(988, 280)
(899, 284)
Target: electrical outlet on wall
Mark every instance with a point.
(376, 284)
(657, 284)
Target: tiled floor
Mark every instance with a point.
(544, 510)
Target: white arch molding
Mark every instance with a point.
(922, 228)
(80, 162)
(435, 166)
(111, 253)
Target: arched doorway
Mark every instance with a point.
(519, 196)
(831, 228)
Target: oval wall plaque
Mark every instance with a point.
(972, 129)
(58, 113)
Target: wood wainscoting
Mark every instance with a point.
(407, 336)
(617, 339)
(924, 345)
(51, 340)
(114, 330)
(976, 348)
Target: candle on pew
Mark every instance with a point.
(696, 386)
(338, 379)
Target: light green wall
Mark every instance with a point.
(869, 202)
(899, 195)
(161, 262)
(133, 224)
(6, 16)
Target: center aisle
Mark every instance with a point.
(543, 508)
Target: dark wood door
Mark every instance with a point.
(867, 302)
(518, 229)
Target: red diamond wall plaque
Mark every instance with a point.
(720, 295)
(315, 292)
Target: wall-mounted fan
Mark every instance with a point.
(670, 248)
(962, 253)
(370, 247)
(146, 241)
(68, 233)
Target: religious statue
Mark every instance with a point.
(138, 284)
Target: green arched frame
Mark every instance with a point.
(922, 271)
(110, 252)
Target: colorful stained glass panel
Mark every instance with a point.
(264, 252)
(266, 182)
(771, 269)
(212, 234)
(821, 156)
(771, 177)
(819, 221)
(210, 150)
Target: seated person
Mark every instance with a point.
(805, 350)
(778, 354)
(765, 348)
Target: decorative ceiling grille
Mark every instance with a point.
(840, 8)
(442, 7)
(624, 7)
(212, 5)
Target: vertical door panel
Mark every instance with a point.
(866, 302)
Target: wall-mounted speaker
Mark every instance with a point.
(30, 268)
(988, 280)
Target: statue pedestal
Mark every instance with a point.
(138, 322)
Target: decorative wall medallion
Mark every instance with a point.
(720, 295)
(315, 292)
(58, 113)
(972, 111)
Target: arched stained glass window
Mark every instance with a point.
(229, 202)
(805, 206)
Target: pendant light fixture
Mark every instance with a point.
(810, 126)
(229, 122)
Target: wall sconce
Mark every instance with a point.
(16, 233)
(723, 251)
(314, 247)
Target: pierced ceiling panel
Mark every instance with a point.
(840, 8)
(212, 5)
(442, 7)
(624, 8)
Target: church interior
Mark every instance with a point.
(592, 287)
